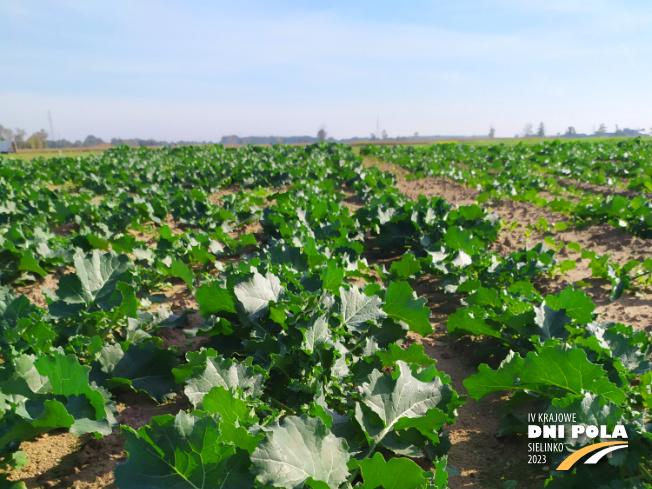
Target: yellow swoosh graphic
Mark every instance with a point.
(571, 459)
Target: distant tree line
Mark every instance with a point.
(600, 132)
(39, 140)
(19, 136)
(234, 140)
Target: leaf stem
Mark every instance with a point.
(646, 472)
(279, 403)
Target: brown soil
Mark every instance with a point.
(62, 460)
(597, 189)
(217, 196)
(34, 291)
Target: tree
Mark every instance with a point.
(321, 134)
(416, 135)
(492, 132)
(527, 130)
(37, 140)
(91, 141)
(541, 132)
(19, 137)
(6, 134)
(373, 136)
(232, 140)
(383, 134)
(570, 132)
(602, 130)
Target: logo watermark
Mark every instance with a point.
(563, 427)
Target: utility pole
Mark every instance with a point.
(52, 138)
(377, 126)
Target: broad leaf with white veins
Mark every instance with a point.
(298, 449)
(225, 373)
(390, 404)
(358, 308)
(257, 292)
(182, 452)
(93, 285)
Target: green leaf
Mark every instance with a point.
(561, 226)
(388, 400)
(97, 242)
(551, 322)
(144, 367)
(182, 452)
(567, 265)
(442, 472)
(622, 343)
(220, 400)
(300, 448)
(554, 371)
(278, 315)
(129, 300)
(406, 267)
(68, 378)
(237, 415)
(257, 292)
(332, 277)
(92, 286)
(402, 305)
(17, 460)
(645, 390)
(470, 321)
(569, 369)
(396, 473)
(488, 380)
(49, 415)
(213, 299)
(181, 270)
(357, 308)
(225, 373)
(461, 239)
(575, 302)
(29, 263)
(36, 380)
(412, 355)
(316, 335)
(575, 247)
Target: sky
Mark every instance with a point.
(202, 69)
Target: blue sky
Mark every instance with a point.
(198, 70)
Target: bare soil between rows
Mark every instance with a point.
(592, 188)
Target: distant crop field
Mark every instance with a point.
(491, 141)
(28, 154)
(51, 154)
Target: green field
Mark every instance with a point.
(29, 155)
(298, 317)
